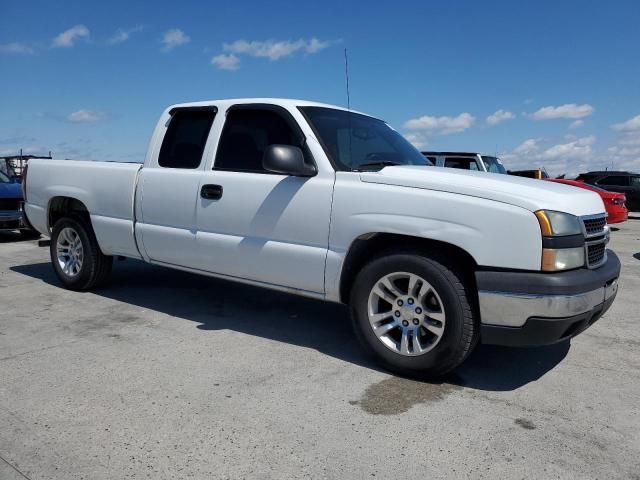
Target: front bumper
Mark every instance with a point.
(527, 309)
(11, 219)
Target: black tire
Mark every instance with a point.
(461, 331)
(96, 266)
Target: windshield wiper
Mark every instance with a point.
(381, 164)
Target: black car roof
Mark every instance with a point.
(607, 172)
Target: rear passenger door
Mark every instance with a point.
(167, 192)
(262, 226)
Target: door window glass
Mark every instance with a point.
(464, 163)
(247, 134)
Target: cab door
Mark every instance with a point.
(167, 193)
(257, 225)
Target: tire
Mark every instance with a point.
(93, 269)
(446, 328)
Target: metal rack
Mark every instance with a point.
(14, 165)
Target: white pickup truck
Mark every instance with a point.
(328, 203)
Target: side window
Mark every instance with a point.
(247, 134)
(464, 163)
(185, 138)
(433, 160)
(615, 180)
(635, 181)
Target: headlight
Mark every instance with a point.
(556, 259)
(556, 224)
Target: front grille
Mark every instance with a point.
(594, 226)
(10, 203)
(595, 254)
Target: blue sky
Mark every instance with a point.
(553, 83)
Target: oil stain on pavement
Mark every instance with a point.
(394, 395)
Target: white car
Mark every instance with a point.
(466, 161)
(332, 204)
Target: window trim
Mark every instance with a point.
(172, 112)
(288, 119)
(325, 149)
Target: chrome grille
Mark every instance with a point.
(594, 226)
(597, 236)
(595, 254)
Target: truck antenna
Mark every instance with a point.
(346, 75)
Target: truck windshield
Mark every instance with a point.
(358, 142)
(493, 164)
(4, 178)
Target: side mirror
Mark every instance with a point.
(287, 160)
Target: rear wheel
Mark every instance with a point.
(413, 314)
(76, 256)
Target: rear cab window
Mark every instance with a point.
(186, 136)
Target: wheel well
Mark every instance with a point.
(64, 207)
(367, 247)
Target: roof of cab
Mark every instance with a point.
(224, 104)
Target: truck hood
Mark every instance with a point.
(523, 192)
(10, 190)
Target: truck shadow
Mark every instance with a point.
(15, 236)
(217, 305)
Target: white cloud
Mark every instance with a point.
(440, 125)
(122, 35)
(174, 38)
(569, 110)
(67, 38)
(572, 157)
(576, 124)
(85, 116)
(626, 154)
(17, 48)
(527, 147)
(417, 140)
(500, 116)
(226, 62)
(631, 125)
(274, 50)
(579, 148)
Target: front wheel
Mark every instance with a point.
(76, 256)
(413, 314)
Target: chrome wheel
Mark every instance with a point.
(406, 313)
(69, 251)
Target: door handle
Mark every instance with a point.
(211, 192)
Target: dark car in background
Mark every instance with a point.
(11, 206)
(613, 181)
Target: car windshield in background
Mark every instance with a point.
(493, 164)
(358, 142)
(4, 178)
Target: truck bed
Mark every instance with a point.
(105, 188)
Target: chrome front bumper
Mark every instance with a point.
(514, 309)
(528, 308)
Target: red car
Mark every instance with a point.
(613, 202)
